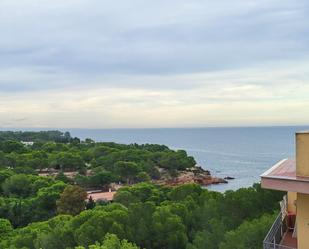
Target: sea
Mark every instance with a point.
(243, 153)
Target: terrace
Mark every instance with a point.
(282, 176)
(291, 228)
(280, 236)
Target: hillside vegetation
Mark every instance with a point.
(105, 162)
(51, 212)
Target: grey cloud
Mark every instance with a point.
(78, 43)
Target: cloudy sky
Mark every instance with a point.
(137, 63)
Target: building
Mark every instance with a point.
(291, 228)
(27, 143)
(101, 196)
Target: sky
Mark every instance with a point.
(147, 64)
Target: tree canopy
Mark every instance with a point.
(155, 217)
(97, 163)
(72, 200)
(49, 211)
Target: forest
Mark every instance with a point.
(97, 164)
(52, 212)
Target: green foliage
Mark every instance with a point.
(127, 170)
(4, 174)
(62, 177)
(176, 160)
(5, 227)
(41, 136)
(182, 192)
(97, 180)
(72, 200)
(106, 162)
(141, 192)
(66, 161)
(46, 213)
(169, 231)
(36, 201)
(142, 177)
(210, 237)
(249, 234)
(154, 217)
(111, 241)
(17, 185)
(12, 146)
(90, 203)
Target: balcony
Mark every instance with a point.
(279, 236)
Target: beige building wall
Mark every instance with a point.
(302, 154)
(292, 196)
(302, 169)
(303, 221)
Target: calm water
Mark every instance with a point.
(243, 153)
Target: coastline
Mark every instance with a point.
(191, 175)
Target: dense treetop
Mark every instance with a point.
(155, 217)
(35, 136)
(97, 163)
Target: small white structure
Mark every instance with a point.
(27, 143)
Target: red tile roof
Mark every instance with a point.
(282, 176)
(285, 169)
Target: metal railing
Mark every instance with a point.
(275, 235)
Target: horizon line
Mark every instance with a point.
(144, 128)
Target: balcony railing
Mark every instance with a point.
(275, 235)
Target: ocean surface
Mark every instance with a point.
(243, 153)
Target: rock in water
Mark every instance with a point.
(229, 178)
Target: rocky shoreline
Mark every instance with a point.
(192, 175)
